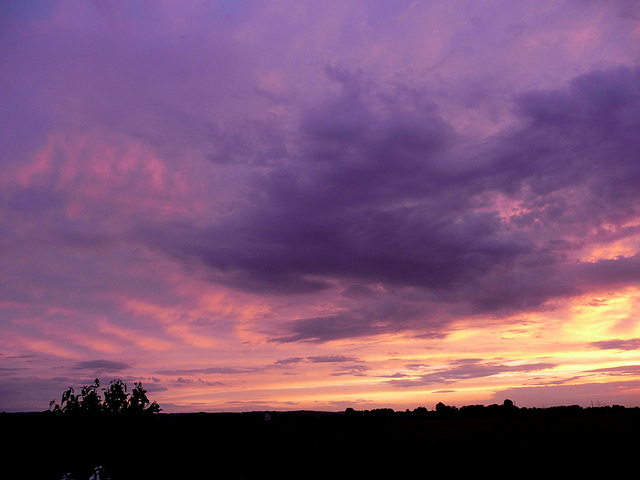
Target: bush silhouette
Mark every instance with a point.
(116, 400)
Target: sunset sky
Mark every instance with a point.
(287, 205)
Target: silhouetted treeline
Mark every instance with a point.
(506, 409)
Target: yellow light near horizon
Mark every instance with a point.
(603, 318)
(522, 338)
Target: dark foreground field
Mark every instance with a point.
(564, 442)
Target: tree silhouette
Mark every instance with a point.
(139, 403)
(116, 400)
(445, 410)
(89, 399)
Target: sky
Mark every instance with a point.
(314, 205)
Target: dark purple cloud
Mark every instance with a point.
(102, 366)
(380, 189)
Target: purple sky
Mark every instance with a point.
(320, 204)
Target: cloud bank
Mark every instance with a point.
(260, 182)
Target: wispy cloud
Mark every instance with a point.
(618, 344)
(465, 370)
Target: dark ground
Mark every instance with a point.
(563, 442)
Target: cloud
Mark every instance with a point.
(618, 344)
(210, 370)
(363, 183)
(630, 370)
(355, 180)
(347, 364)
(319, 359)
(192, 176)
(355, 370)
(466, 369)
(102, 366)
(322, 329)
(381, 190)
(332, 359)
